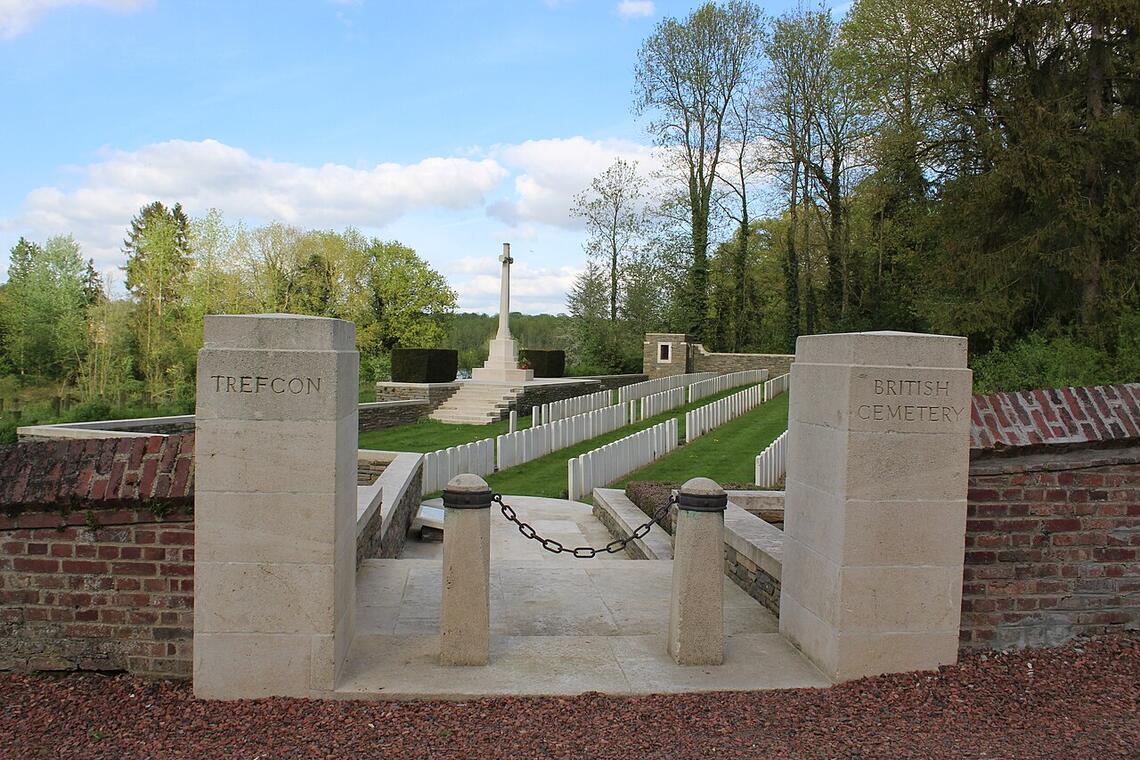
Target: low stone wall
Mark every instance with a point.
(613, 382)
(385, 510)
(1052, 548)
(182, 424)
(371, 416)
(434, 393)
(97, 590)
(776, 364)
(753, 556)
(544, 393)
(386, 414)
(761, 586)
(368, 471)
(622, 517)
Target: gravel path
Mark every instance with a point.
(1077, 701)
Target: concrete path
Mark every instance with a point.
(558, 625)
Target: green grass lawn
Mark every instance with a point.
(547, 476)
(429, 435)
(726, 454)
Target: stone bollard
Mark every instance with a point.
(514, 422)
(696, 607)
(465, 617)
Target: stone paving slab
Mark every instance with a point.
(569, 522)
(556, 629)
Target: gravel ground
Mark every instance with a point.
(1077, 701)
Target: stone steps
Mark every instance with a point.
(477, 404)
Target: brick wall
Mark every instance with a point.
(96, 571)
(108, 590)
(63, 475)
(1052, 548)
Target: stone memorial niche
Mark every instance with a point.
(875, 506)
(274, 505)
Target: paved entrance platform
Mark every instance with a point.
(559, 625)
(570, 522)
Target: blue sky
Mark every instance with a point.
(450, 127)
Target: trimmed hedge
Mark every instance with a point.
(545, 362)
(424, 365)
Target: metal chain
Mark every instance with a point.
(581, 552)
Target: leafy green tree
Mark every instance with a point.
(614, 212)
(688, 74)
(590, 336)
(46, 304)
(159, 260)
(407, 303)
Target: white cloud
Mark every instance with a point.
(17, 16)
(636, 8)
(209, 174)
(553, 171)
(534, 289)
(439, 205)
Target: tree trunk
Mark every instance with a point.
(1094, 186)
(699, 282)
(792, 265)
(834, 301)
(740, 273)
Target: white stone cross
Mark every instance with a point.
(505, 294)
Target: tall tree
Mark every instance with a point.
(688, 74)
(46, 314)
(407, 303)
(789, 106)
(159, 260)
(738, 174)
(613, 209)
(590, 333)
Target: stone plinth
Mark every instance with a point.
(502, 365)
(875, 509)
(275, 505)
(696, 606)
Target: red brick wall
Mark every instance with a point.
(118, 596)
(97, 555)
(1052, 548)
(97, 473)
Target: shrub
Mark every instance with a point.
(424, 365)
(1042, 362)
(545, 362)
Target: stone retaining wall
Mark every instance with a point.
(545, 393)
(386, 414)
(434, 393)
(758, 584)
(705, 361)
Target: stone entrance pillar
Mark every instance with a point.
(274, 504)
(875, 509)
